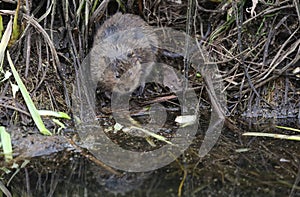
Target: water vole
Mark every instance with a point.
(122, 53)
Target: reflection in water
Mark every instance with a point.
(266, 167)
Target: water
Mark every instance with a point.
(236, 166)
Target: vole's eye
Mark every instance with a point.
(118, 75)
(130, 54)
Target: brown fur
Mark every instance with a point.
(122, 52)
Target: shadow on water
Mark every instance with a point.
(236, 166)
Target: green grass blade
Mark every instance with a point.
(94, 5)
(1, 26)
(16, 26)
(121, 4)
(149, 133)
(4, 42)
(6, 144)
(54, 114)
(31, 107)
(288, 128)
(4, 189)
(273, 135)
